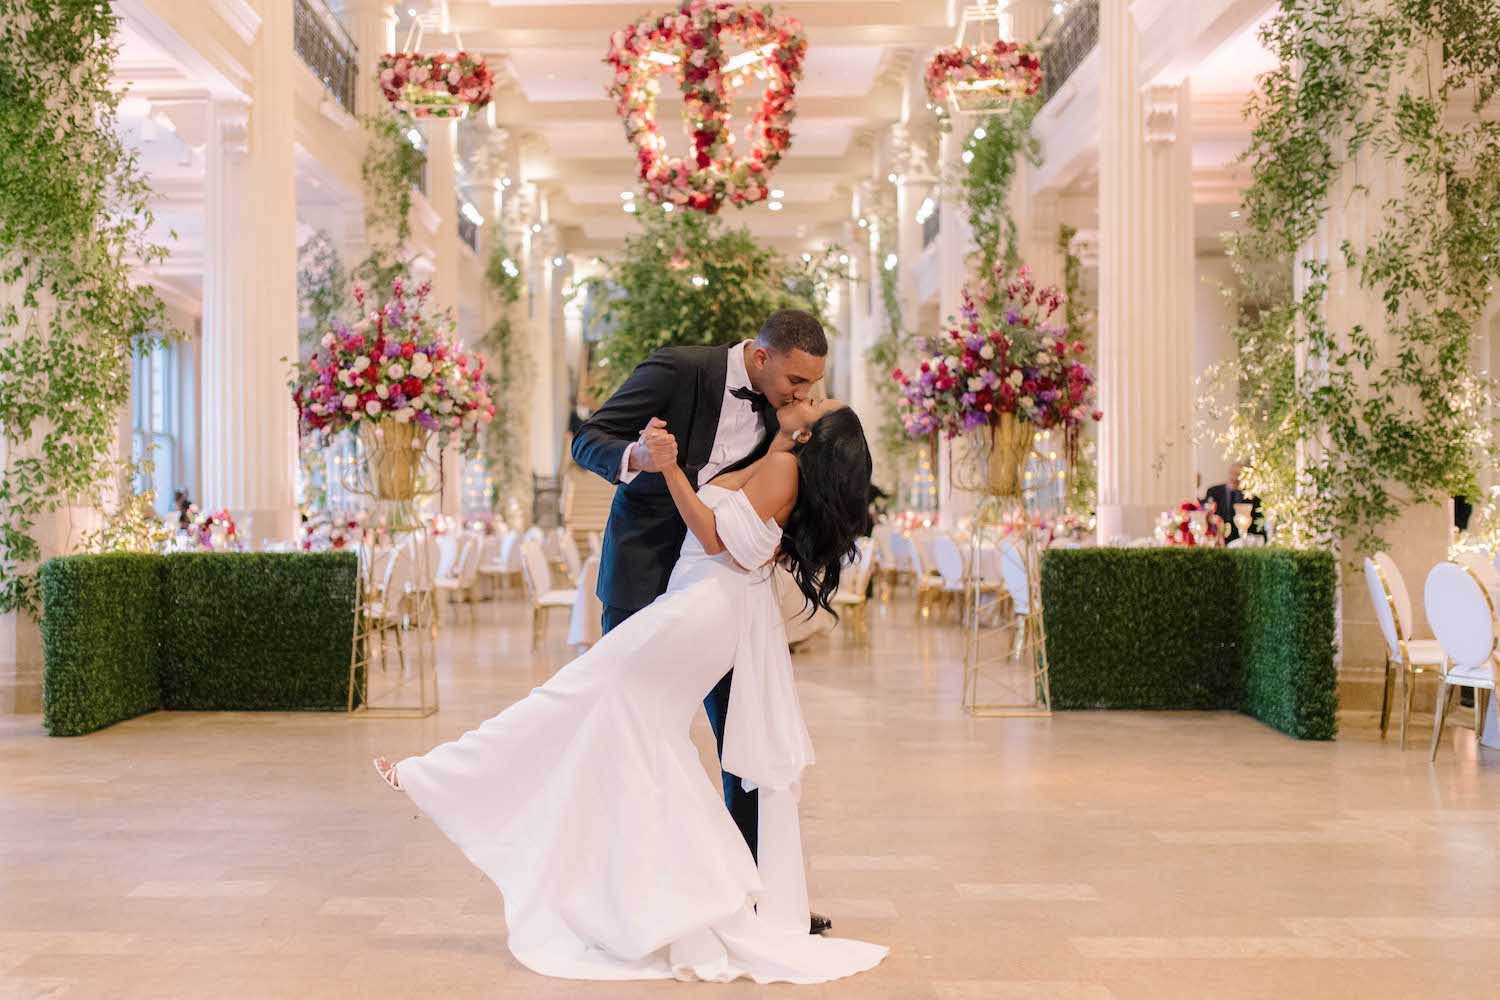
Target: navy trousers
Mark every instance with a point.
(744, 807)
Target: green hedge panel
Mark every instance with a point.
(257, 630)
(1170, 628)
(99, 640)
(128, 634)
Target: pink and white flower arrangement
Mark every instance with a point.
(1176, 527)
(214, 532)
(977, 77)
(689, 41)
(397, 363)
(436, 85)
(1012, 356)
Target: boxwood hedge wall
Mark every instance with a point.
(1245, 629)
(100, 635)
(127, 634)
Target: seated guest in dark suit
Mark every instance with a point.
(1226, 495)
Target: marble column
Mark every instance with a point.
(250, 294)
(372, 25)
(955, 244)
(1145, 288)
(442, 192)
(865, 314)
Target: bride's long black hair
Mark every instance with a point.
(833, 506)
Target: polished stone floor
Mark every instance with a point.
(1085, 857)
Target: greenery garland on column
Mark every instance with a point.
(888, 351)
(1342, 429)
(1083, 486)
(74, 221)
(511, 367)
(392, 165)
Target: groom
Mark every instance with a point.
(719, 403)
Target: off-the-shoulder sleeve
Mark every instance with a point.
(745, 535)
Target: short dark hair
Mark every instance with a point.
(787, 330)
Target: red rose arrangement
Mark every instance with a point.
(981, 77)
(437, 85)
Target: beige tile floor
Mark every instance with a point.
(1086, 857)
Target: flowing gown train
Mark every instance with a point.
(588, 806)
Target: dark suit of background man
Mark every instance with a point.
(719, 403)
(1226, 495)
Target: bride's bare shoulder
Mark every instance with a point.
(773, 487)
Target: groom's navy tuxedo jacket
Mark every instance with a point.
(685, 387)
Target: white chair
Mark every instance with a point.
(392, 611)
(952, 575)
(1463, 619)
(572, 560)
(537, 574)
(448, 553)
(585, 625)
(1482, 565)
(596, 544)
(852, 597)
(464, 580)
(506, 566)
(885, 559)
(1404, 655)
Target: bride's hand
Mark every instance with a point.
(662, 447)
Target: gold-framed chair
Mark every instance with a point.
(1405, 657)
(537, 575)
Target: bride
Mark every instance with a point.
(586, 802)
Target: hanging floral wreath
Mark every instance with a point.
(980, 77)
(690, 41)
(437, 85)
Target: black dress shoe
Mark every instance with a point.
(820, 924)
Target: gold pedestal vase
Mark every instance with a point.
(392, 669)
(1005, 647)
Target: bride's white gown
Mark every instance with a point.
(587, 804)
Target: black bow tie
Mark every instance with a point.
(758, 402)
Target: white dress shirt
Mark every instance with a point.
(740, 427)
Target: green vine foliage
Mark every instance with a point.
(1083, 483)
(1343, 426)
(690, 278)
(322, 287)
(74, 217)
(391, 166)
(511, 367)
(985, 185)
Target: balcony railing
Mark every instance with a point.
(326, 48)
(468, 231)
(1075, 39)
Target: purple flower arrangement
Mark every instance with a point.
(1011, 355)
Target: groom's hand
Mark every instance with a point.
(640, 453)
(662, 447)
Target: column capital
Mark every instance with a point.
(230, 125)
(1160, 108)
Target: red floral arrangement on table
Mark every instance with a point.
(690, 41)
(398, 363)
(975, 77)
(1010, 355)
(1175, 527)
(437, 85)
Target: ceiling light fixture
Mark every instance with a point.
(777, 193)
(629, 206)
(505, 181)
(536, 227)
(890, 262)
(843, 258)
(864, 223)
(968, 156)
(668, 207)
(746, 58)
(980, 133)
(663, 58)
(557, 262)
(891, 177)
(774, 206)
(627, 195)
(472, 214)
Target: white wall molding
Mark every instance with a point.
(240, 16)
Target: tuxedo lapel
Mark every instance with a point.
(711, 379)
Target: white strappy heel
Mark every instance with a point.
(387, 772)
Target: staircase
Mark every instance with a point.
(585, 502)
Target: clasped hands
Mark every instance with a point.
(656, 449)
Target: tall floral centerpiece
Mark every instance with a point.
(694, 43)
(397, 380)
(1006, 370)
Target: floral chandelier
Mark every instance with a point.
(437, 85)
(978, 78)
(690, 41)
